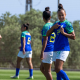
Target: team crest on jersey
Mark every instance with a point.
(58, 31)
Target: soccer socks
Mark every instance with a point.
(63, 75)
(31, 72)
(17, 71)
(59, 77)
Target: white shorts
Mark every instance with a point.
(62, 55)
(48, 57)
(28, 54)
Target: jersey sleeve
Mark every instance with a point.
(69, 27)
(44, 30)
(22, 34)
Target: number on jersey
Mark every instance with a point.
(28, 40)
(52, 37)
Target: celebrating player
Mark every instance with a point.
(47, 46)
(25, 51)
(63, 30)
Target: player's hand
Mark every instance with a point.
(56, 26)
(20, 47)
(23, 51)
(41, 56)
(62, 30)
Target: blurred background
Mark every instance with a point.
(13, 13)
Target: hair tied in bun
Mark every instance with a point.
(47, 9)
(28, 24)
(60, 6)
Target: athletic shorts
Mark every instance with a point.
(48, 57)
(28, 54)
(62, 55)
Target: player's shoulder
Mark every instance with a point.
(26, 33)
(68, 23)
(47, 25)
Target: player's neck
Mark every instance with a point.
(24, 30)
(48, 21)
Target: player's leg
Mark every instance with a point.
(20, 56)
(58, 77)
(61, 57)
(54, 60)
(42, 69)
(47, 68)
(17, 68)
(47, 62)
(29, 62)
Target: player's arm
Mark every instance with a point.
(23, 37)
(70, 31)
(23, 45)
(49, 32)
(70, 35)
(45, 38)
(19, 47)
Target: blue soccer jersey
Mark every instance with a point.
(27, 36)
(61, 41)
(50, 42)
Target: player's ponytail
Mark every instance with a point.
(60, 7)
(46, 13)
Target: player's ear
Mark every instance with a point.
(25, 27)
(43, 18)
(65, 14)
(50, 17)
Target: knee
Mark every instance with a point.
(41, 68)
(18, 63)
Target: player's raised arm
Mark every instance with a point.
(49, 32)
(70, 34)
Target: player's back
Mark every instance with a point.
(27, 37)
(51, 38)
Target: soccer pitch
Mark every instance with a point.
(5, 75)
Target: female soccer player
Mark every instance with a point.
(47, 46)
(25, 51)
(63, 30)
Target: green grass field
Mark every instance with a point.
(5, 75)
